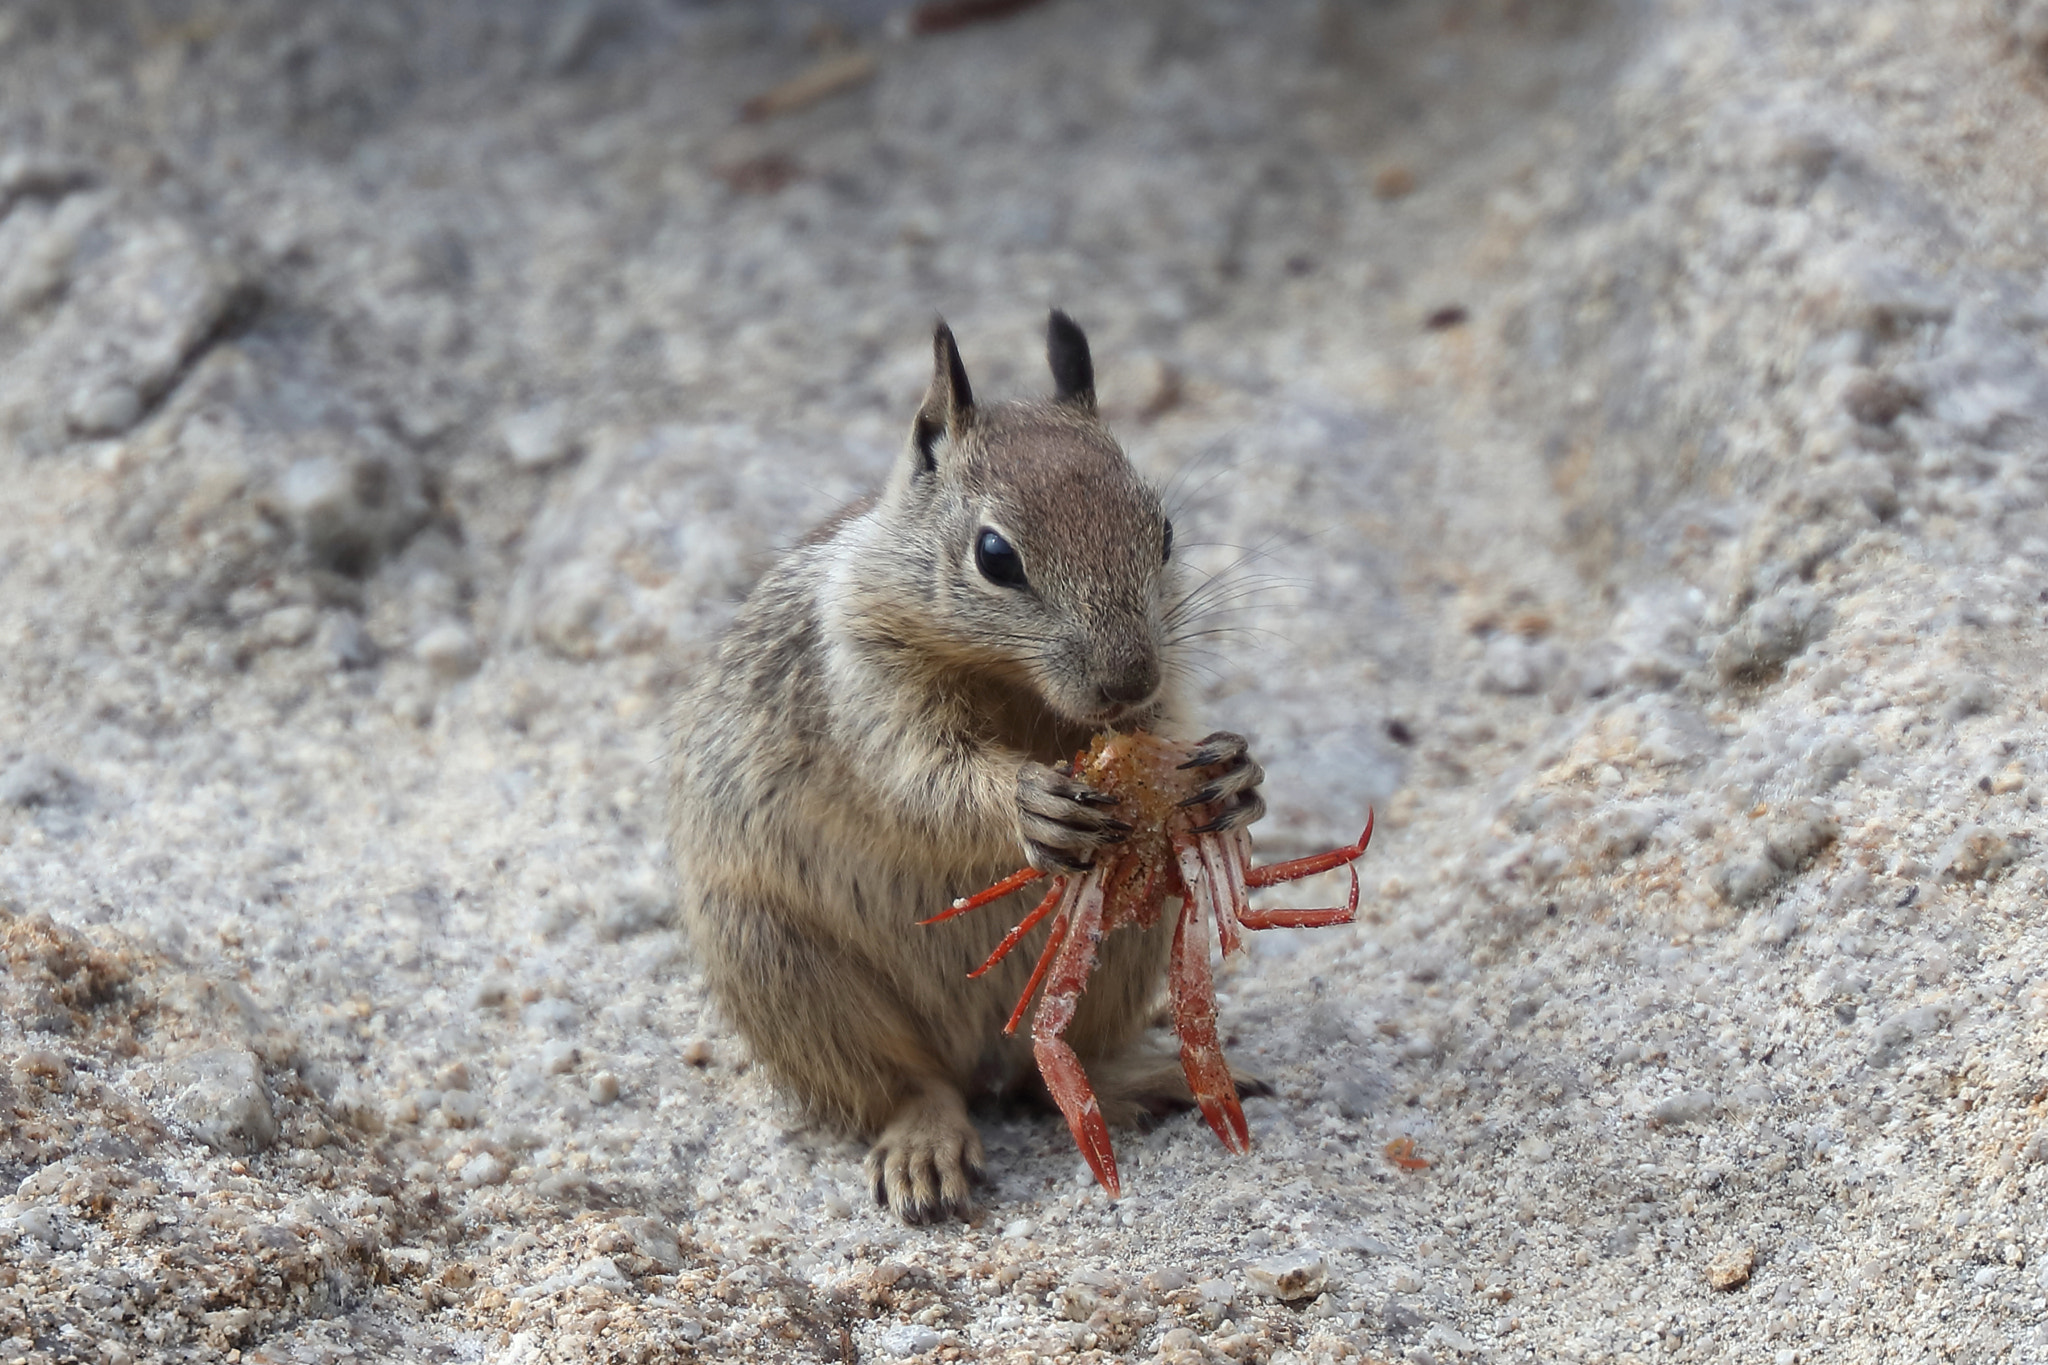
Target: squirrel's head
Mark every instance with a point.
(1051, 561)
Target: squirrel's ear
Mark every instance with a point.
(948, 408)
(1073, 372)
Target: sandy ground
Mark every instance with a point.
(1625, 429)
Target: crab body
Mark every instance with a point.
(1170, 855)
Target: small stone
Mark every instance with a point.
(1515, 666)
(1291, 1277)
(1834, 759)
(1077, 1302)
(1731, 1269)
(286, 627)
(345, 642)
(224, 1101)
(697, 1052)
(450, 651)
(490, 993)
(1970, 696)
(454, 1076)
(558, 1057)
(1772, 631)
(1686, 1108)
(1165, 1280)
(485, 1168)
(1975, 854)
(655, 1240)
(1019, 1230)
(1745, 877)
(538, 437)
(103, 408)
(1906, 1028)
(41, 1223)
(461, 1107)
(908, 1339)
(604, 1088)
(352, 503)
(1778, 931)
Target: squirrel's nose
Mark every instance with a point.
(1136, 683)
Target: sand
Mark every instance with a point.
(1622, 432)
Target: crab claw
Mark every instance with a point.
(1076, 1099)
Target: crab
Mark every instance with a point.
(1169, 854)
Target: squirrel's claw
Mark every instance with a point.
(1063, 822)
(1235, 790)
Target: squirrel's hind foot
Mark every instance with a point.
(923, 1165)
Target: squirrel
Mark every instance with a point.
(882, 730)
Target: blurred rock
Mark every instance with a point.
(1291, 1278)
(351, 500)
(538, 437)
(450, 651)
(130, 294)
(1756, 647)
(223, 1100)
(34, 780)
(1518, 667)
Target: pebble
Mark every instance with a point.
(1689, 1107)
(538, 437)
(450, 651)
(604, 1088)
(1969, 696)
(1731, 1269)
(1835, 758)
(1906, 1028)
(1019, 1229)
(351, 503)
(697, 1052)
(223, 1100)
(286, 627)
(1515, 666)
(485, 1168)
(558, 1057)
(1165, 1280)
(1771, 632)
(345, 642)
(1976, 853)
(1290, 1277)
(1797, 833)
(461, 1107)
(40, 1222)
(908, 1339)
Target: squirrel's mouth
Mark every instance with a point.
(1123, 717)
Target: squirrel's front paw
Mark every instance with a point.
(1232, 789)
(1064, 822)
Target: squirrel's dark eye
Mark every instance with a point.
(998, 561)
(1166, 553)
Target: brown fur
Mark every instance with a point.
(855, 755)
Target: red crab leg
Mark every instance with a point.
(1052, 946)
(1056, 1061)
(1298, 868)
(1200, 875)
(1304, 919)
(1026, 925)
(1021, 878)
(1194, 1017)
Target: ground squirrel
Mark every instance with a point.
(877, 735)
